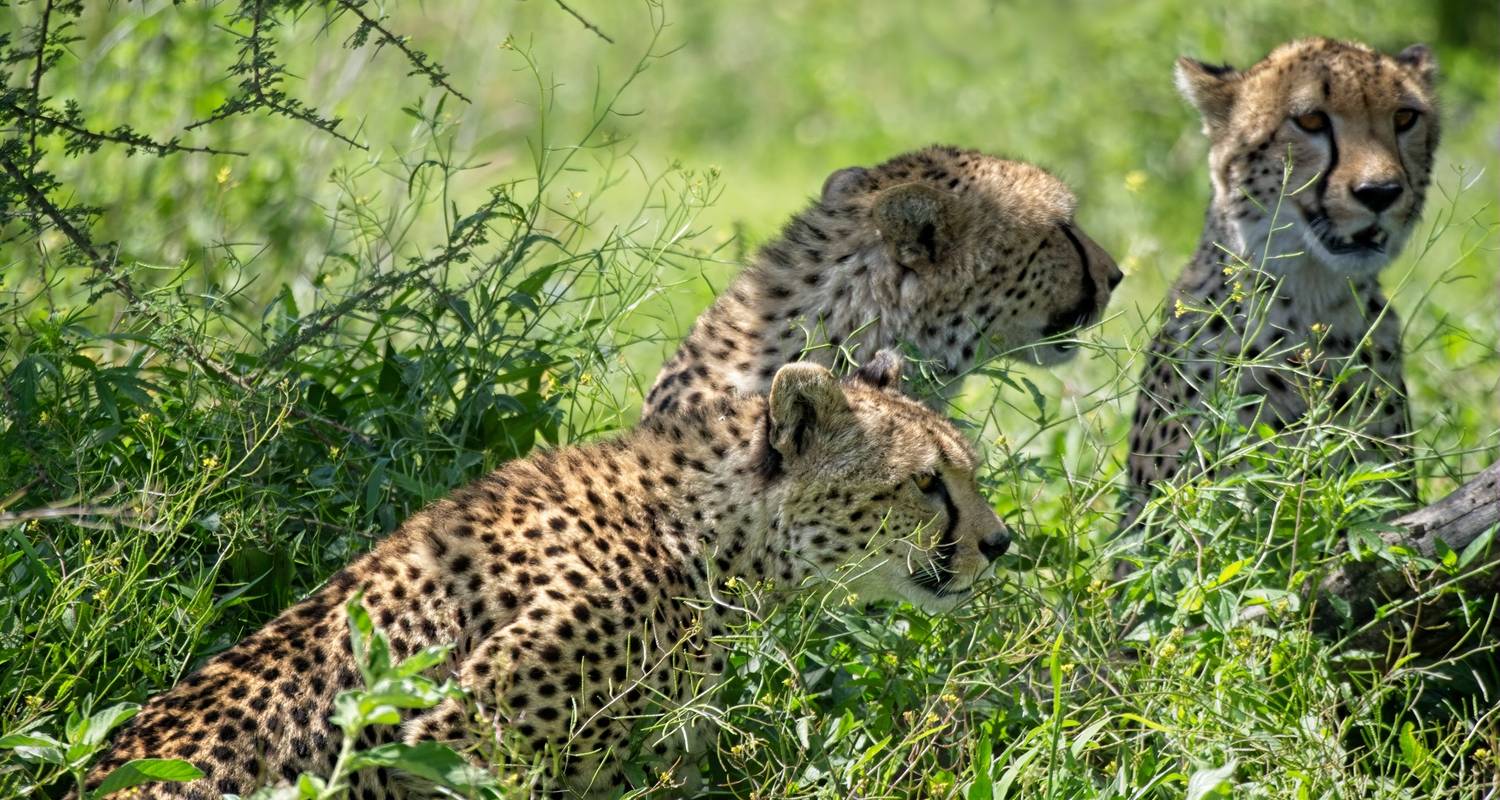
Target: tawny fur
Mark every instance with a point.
(957, 254)
(584, 588)
(1290, 283)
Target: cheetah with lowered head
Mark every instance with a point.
(1286, 281)
(584, 587)
(958, 254)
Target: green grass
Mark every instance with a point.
(157, 513)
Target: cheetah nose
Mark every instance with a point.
(1377, 196)
(1115, 276)
(994, 545)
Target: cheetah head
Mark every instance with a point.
(876, 491)
(1355, 131)
(967, 253)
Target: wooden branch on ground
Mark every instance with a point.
(1411, 598)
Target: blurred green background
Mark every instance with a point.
(774, 96)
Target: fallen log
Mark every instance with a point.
(1367, 602)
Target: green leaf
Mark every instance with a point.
(1476, 548)
(1445, 553)
(147, 770)
(34, 747)
(1413, 752)
(430, 760)
(423, 660)
(983, 787)
(1228, 572)
(1208, 782)
(96, 729)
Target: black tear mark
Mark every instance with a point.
(927, 238)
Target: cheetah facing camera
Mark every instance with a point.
(958, 254)
(1350, 133)
(583, 587)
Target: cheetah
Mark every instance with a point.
(1282, 294)
(585, 588)
(958, 254)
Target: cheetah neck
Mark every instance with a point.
(718, 492)
(783, 308)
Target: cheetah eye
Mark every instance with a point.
(1405, 119)
(926, 482)
(1312, 122)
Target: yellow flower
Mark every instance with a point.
(1318, 327)
(1482, 754)
(938, 785)
(1135, 180)
(333, 452)
(223, 175)
(950, 698)
(210, 462)
(1180, 308)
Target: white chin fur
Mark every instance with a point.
(1360, 264)
(1294, 237)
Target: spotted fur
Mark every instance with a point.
(1282, 294)
(958, 254)
(585, 588)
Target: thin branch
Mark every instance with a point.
(591, 26)
(36, 72)
(260, 98)
(418, 59)
(119, 136)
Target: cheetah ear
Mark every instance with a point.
(1210, 88)
(844, 182)
(881, 372)
(919, 225)
(1420, 58)
(805, 400)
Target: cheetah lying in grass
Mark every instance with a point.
(580, 586)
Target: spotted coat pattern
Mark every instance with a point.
(584, 589)
(958, 254)
(1320, 158)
